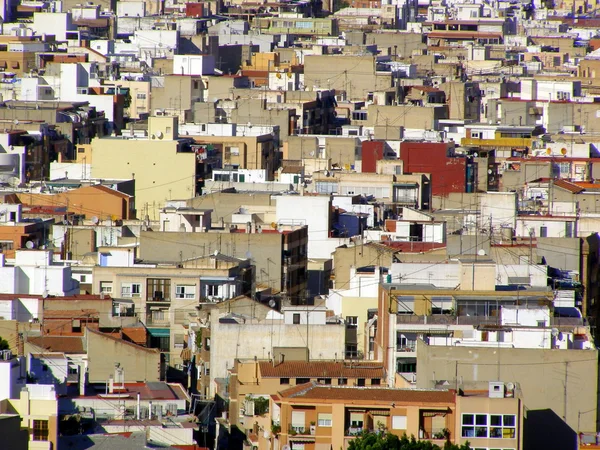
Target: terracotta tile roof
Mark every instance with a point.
(64, 344)
(123, 341)
(321, 369)
(71, 314)
(367, 394)
(137, 335)
(568, 186)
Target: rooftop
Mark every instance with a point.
(315, 391)
(321, 369)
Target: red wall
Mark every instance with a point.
(194, 10)
(371, 151)
(448, 174)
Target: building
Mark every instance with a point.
(316, 415)
(37, 407)
(163, 166)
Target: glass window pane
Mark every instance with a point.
(509, 421)
(496, 420)
(467, 419)
(481, 419)
(468, 432)
(481, 432)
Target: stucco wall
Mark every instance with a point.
(541, 374)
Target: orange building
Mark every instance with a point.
(89, 201)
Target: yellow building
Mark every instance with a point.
(140, 96)
(163, 166)
(38, 408)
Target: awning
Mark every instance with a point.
(159, 332)
(186, 354)
(2, 64)
(15, 64)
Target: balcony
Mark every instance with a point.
(354, 431)
(158, 299)
(302, 432)
(407, 347)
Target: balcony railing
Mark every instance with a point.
(475, 320)
(354, 431)
(408, 347)
(303, 431)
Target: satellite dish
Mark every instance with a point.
(248, 254)
(45, 294)
(475, 155)
(312, 153)
(16, 121)
(216, 253)
(65, 222)
(327, 173)
(274, 225)
(481, 252)
(490, 171)
(554, 332)
(159, 134)
(95, 220)
(510, 386)
(286, 447)
(29, 245)
(272, 303)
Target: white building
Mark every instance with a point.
(33, 272)
(13, 375)
(194, 64)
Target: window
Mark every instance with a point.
(158, 289)
(398, 422)
(375, 381)
(207, 344)
(40, 430)
(342, 381)
(284, 381)
(131, 290)
(543, 231)
(212, 290)
(360, 382)
(44, 368)
(324, 420)
(541, 323)
(158, 315)
(141, 96)
(351, 321)
(106, 287)
(494, 426)
(502, 426)
(73, 370)
(82, 279)
(302, 380)
(324, 380)
(296, 318)
(6, 245)
(298, 421)
(351, 351)
(185, 291)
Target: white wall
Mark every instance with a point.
(501, 207)
(313, 211)
(10, 377)
(193, 64)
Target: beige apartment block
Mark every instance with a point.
(161, 167)
(37, 406)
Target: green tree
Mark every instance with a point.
(4, 345)
(389, 441)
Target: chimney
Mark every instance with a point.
(111, 384)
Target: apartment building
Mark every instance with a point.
(316, 415)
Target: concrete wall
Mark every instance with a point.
(230, 341)
(265, 249)
(139, 363)
(542, 375)
(357, 74)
